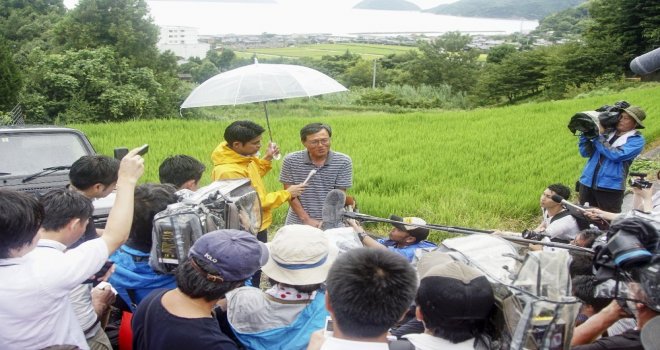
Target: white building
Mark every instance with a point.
(183, 41)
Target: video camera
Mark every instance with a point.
(630, 254)
(631, 242)
(640, 182)
(587, 122)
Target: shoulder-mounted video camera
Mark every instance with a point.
(630, 254)
(631, 242)
(586, 123)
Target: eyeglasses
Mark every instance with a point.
(317, 142)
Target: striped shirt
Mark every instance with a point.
(336, 172)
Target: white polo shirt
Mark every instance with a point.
(35, 311)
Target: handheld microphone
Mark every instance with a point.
(309, 176)
(559, 199)
(646, 63)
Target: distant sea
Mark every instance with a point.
(215, 18)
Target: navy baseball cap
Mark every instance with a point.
(233, 255)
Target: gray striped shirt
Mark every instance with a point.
(337, 172)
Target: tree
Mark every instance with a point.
(360, 74)
(204, 71)
(10, 78)
(563, 24)
(628, 28)
(124, 25)
(447, 60)
(335, 65)
(500, 52)
(221, 60)
(519, 75)
(22, 21)
(574, 64)
(125, 28)
(89, 85)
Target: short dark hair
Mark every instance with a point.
(429, 299)
(369, 290)
(561, 190)
(313, 128)
(62, 205)
(178, 169)
(589, 236)
(20, 217)
(194, 283)
(90, 170)
(242, 131)
(584, 288)
(150, 199)
(581, 264)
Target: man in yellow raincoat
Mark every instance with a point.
(236, 158)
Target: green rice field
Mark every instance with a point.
(483, 168)
(316, 51)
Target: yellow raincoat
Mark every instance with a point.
(227, 164)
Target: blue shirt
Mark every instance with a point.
(407, 252)
(132, 271)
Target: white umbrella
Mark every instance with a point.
(260, 83)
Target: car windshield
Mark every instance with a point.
(28, 153)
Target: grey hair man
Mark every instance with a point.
(331, 170)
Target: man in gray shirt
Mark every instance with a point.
(333, 170)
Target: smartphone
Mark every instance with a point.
(328, 330)
(143, 150)
(100, 273)
(120, 153)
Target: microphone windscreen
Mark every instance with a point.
(557, 198)
(646, 63)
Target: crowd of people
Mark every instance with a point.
(62, 275)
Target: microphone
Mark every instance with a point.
(309, 176)
(559, 199)
(646, 63)
(356, 216)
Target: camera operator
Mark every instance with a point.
(628, 265)
(610, 154)
(644, 199)
(644, 302)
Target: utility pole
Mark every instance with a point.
(373, 81)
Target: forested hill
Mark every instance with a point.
(392, 5)
(529, 9)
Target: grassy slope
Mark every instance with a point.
(483, 168)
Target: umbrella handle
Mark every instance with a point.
(270, 133)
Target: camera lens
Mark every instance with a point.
(627, 250)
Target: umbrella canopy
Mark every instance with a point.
(259, 83)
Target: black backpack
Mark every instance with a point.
(582, 222)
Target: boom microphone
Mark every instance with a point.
(467, 231)
(559, 199)
(646, 63)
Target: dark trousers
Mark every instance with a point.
(605, 200)
(256, 278)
